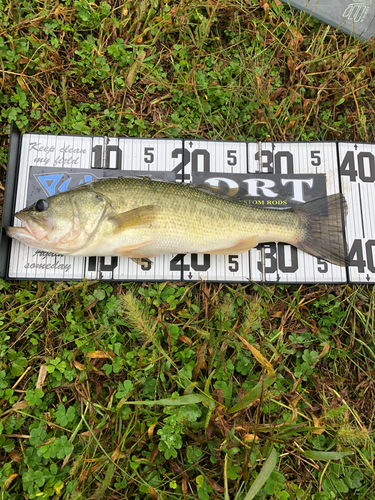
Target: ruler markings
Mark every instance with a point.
(361, 210)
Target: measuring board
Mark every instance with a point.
(353, 17)
(275, 175)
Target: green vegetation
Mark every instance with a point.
(186, 391)
(175, 391)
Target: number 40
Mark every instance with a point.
(347, 166)
(356, 256)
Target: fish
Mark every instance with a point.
(141, 218)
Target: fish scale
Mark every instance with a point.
(192, 219)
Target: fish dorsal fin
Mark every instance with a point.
(220, 191)
(224, 190)
(136, 217)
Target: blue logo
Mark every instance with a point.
(60, 182)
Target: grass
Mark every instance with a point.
(175, 391)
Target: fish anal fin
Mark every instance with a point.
(132, 250)
(136, 217)
(143, 261)
(240, 247)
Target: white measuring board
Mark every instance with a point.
(53, 153)
(49, 160)
(357, 171)
(148, 157)
(293, 172)
(274, 175)
(214, 163)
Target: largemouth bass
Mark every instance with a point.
(141, 218)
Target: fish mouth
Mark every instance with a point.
(32, 231)
(21, 234)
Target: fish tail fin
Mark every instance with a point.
(323, 222)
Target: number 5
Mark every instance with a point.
(150, 154)
(235, 266)
(315, 158)
(232, 159)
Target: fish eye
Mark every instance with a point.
(41, 205)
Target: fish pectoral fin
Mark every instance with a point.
(242, 246)
(132, 250)
(136, 217)
(143, 261)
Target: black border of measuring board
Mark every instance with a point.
(9, 196)
(342, 211)
(11, 185)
